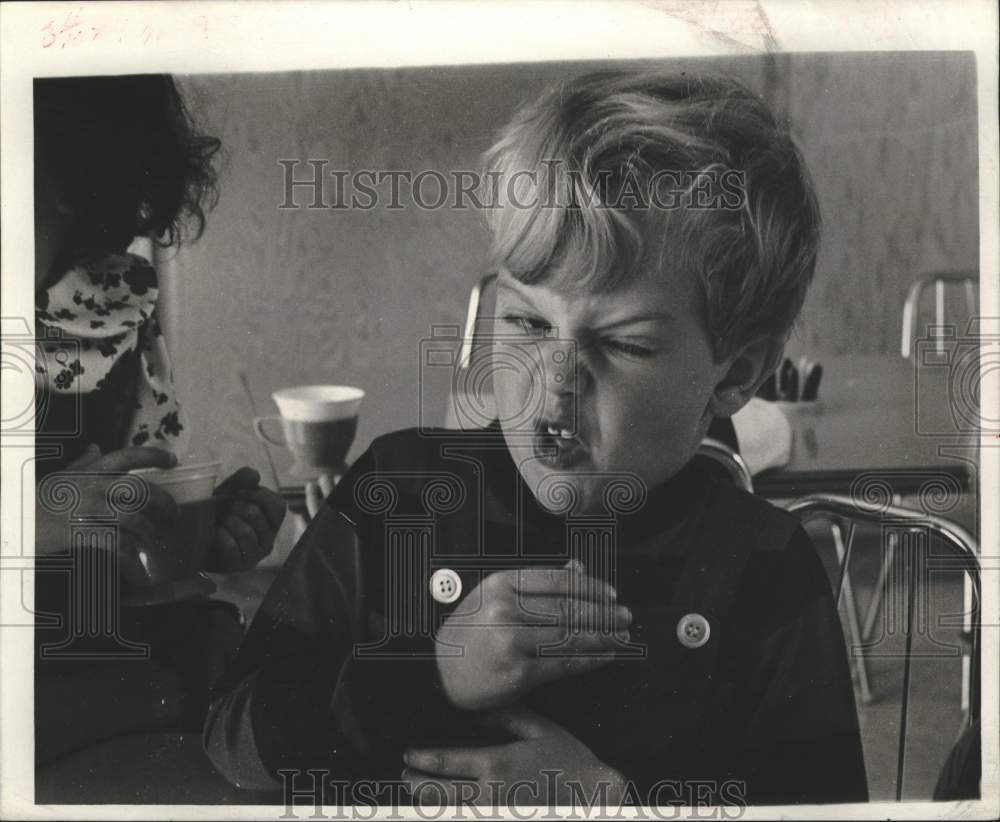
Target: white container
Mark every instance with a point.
(185, 483)
(318, 403)
(799, 409)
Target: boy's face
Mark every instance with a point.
(590, 384)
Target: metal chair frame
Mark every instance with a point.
(739, 473)
(964, 550)
(969, 279)
(734, 465)
(471, 318)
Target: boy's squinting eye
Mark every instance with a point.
(527, 325)
(628, 349)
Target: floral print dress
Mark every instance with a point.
(102, 368)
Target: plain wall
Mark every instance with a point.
(346, 296)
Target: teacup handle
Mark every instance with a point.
(258, 427)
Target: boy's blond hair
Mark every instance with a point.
(612, 172)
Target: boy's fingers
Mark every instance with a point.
(326, 484)
(454, 762)
(128, 459)
(579, 614)
(586, 640)
(559, 581)
(594, 645)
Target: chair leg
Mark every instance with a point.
(876, 601)
(851, 606)
(875, 606)
(966, 651)
(910, 565)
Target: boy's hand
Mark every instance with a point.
(248, 519)
(502, 624)
(464, 775)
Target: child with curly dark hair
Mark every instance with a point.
(118, 159)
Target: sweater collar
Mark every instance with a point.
(665, 507)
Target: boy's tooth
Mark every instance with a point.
(553, 430)
(565, 434)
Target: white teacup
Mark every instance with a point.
(318, 424)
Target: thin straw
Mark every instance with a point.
(253, 410)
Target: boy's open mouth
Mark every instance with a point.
(556, 444)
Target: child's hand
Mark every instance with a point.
(87, 480)
(464, 775)
(248, 522)
(503, 622)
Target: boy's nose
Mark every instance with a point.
(561, 367)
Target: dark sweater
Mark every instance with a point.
(338, 670)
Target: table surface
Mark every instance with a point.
(905, 421)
